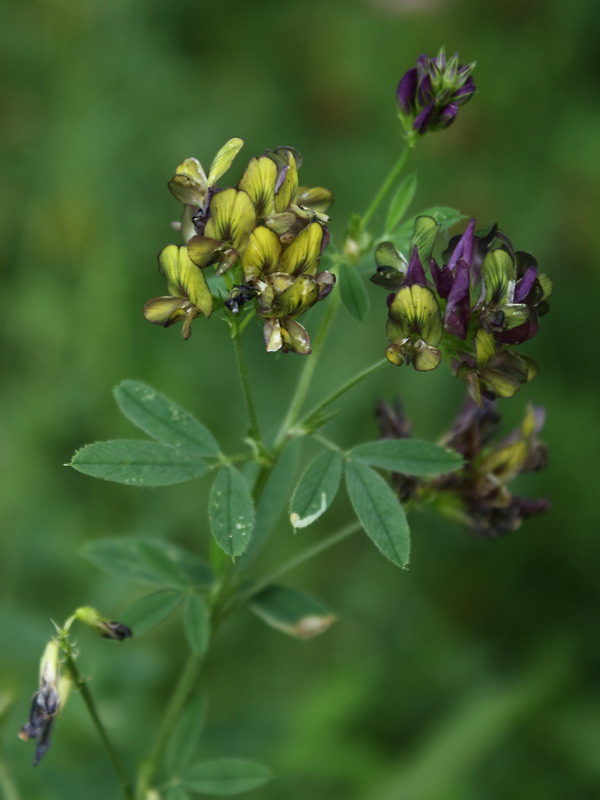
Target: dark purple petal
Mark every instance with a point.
(415, 272)
(393, 423)
(465, 92)
(530, 508)
(458, 308)
(281, 177)
(522, 333)
(447, 115)
(423, 119)
(425, 91)
(442, 278)
(463, 249)
(525, 285)
(326, 239)
(423, 65)
(407, 90)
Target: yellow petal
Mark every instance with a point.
(189, 184)
(232, 217)
(258, 181)
(297, 298)
(272, 335)
(424, 357)
(203, 250)
(497, 273)
(302, 256)
(287, 191)
(184, 278)
(485, 347)
(317, 198)
(414, 310)
(224, 159)
(262, 253)
(164, 310)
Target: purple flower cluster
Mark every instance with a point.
(476, 307)
(430, 94)
(478, 496)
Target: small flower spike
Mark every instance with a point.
(430, 94)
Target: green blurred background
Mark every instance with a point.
(473, 675)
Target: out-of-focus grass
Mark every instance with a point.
(473, 675)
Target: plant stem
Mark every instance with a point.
(245, 380)
(299, 396)
(7, 783)
(388, 182)
(308, 370)
(184, 686)
(84, 690)
(345, 387)
(295, 561)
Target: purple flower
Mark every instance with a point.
(430, 94)
(478, 496)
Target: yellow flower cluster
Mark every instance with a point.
(268, 232)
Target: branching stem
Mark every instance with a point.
(88, 699)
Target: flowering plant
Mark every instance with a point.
(256, 251)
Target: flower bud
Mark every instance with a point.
(106, 628)
(430, 94)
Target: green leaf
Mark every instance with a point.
(231, 511)
(196, 623)
(379, 512)
(353, 292)
(445, 216)
(292, 612)
(177, 793)
(140, 560)
(149, 611)
(185, 738)
(138, 463)
(401, 201)
(273, 500)
(316, 489)
(163, 420)
(164, 568)
(226, 776)
(410, 456)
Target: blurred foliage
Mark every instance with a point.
(474, 674)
